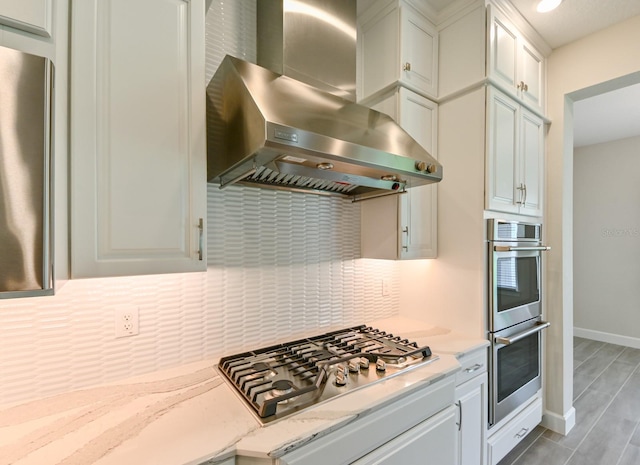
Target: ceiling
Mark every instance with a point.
(606, 117)
(574, 19)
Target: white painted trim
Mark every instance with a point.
(607, 337)
(559, 424)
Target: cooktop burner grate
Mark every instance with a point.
(281, 379)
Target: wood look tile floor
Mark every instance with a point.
(606, 392)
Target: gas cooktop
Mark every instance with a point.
(283, 379)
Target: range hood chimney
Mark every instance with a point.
(292, 123)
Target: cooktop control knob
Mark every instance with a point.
(431, 169)
(364, 363)
(381, 365)
(354, 365)
(341, 375)
(421, 165)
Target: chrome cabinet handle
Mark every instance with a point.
(521, 188)
(512, 339)
(406, 67)
(459, 424)
(524, 190)
(200, 238)
(473, 368)
(522, 433)
(405, 230)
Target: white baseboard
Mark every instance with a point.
(560, 424)
(607, 337)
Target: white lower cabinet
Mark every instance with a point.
(404, 226)
(417, 428)
(505, 436)
(471, 400)
(422, 444)
(138, 144)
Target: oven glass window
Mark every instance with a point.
(517, 280)
(518, 364)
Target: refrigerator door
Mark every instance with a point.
(25, 174)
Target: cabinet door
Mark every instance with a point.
(418, 207)
(471, 399)
(418, 52)
(29, 15)
(137, 137)
(503, 51)
(531, 76)
(378, 48)
(396, 45)
(503, 186)
(405, 226)
(432, 441)
(514, 64)
(531, 162)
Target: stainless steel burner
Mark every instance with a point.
(279, 380)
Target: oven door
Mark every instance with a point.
(514, 277)
(515, 367)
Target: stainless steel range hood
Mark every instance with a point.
(275, 131)
(267, 129)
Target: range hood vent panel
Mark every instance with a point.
(256, 117)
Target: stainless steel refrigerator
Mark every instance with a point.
(26, 85)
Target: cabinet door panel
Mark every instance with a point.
(503, 52)
(379, 45)
(139, 156)
(420, 52)
(472, 423)
(502, 152)
(29, 15)
(531, 73)
(432, 441)
(531, 143)
(418, 217)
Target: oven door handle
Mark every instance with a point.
(522, 248)
(515, 338)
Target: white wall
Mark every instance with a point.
(450, 291)
(607, 241)
(573, 72)
(278, 263)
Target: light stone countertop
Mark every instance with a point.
(188, 415)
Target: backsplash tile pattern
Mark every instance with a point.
(279, 263)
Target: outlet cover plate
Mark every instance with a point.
(126, 321)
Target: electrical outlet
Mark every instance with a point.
(127, 321)
(385, 287)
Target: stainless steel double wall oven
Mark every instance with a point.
(515, 314)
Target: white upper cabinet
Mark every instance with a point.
(396, 45)
(404, 226)
(138, 145)
(33, 16)
(514, 156)
(513, 63)
(481, 44)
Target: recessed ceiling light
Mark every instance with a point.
(547, 5)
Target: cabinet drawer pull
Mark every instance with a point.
(473, 368)
(406, 67)
(522, 433)
(523, 87)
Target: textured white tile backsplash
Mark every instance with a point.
(279, 263)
